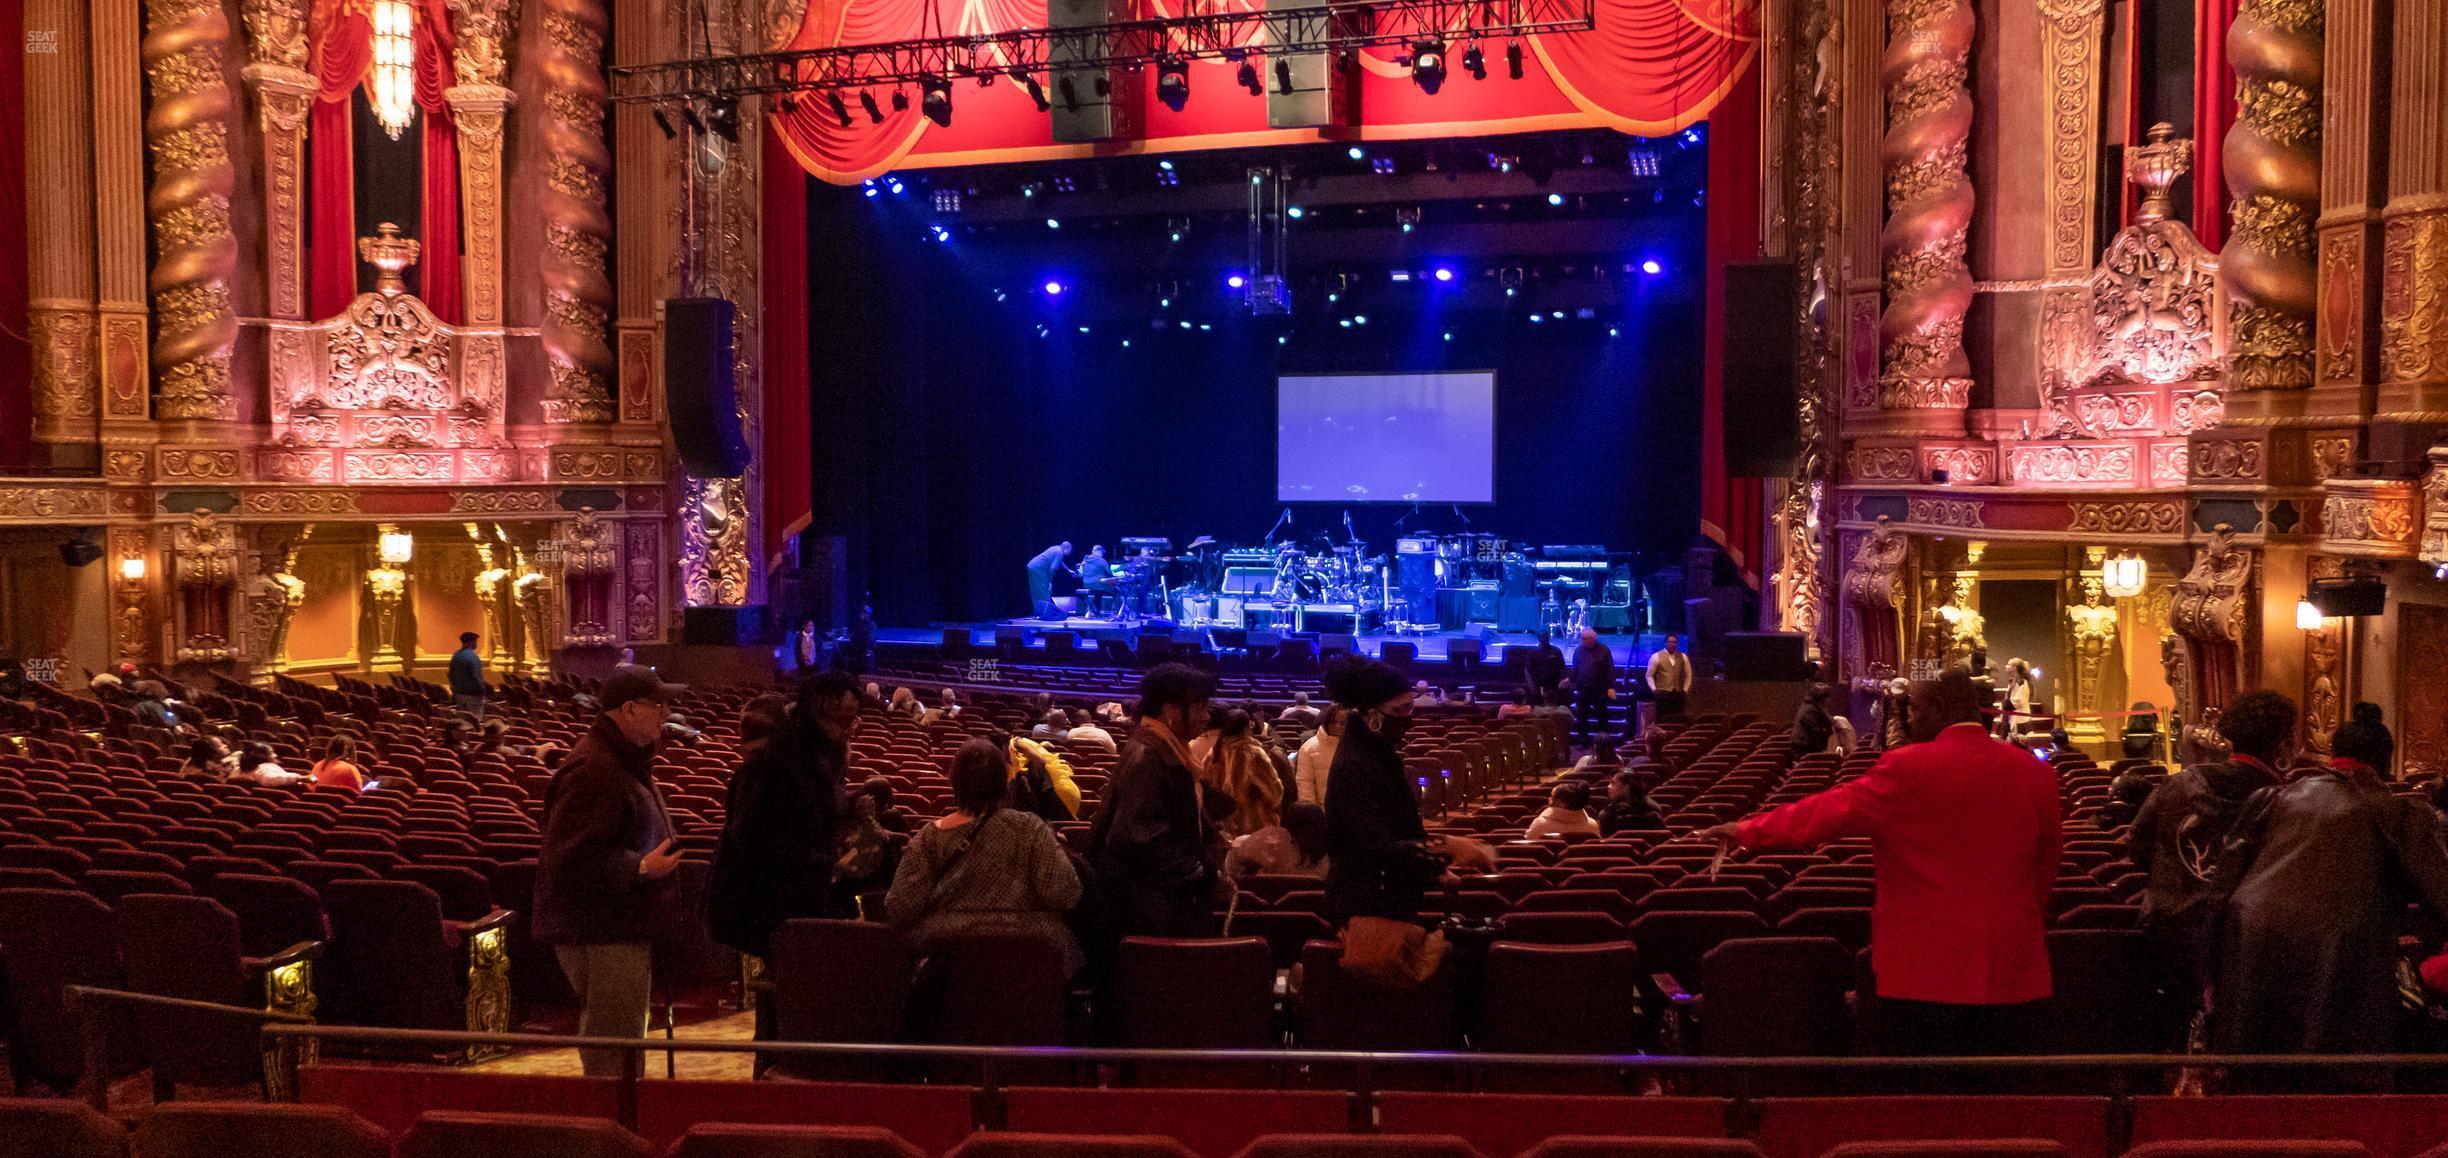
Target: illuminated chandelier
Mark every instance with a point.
(392, 90)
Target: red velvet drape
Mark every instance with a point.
(16, 348)
(342, 38)
(2214, 108)
(1732, 512)
(785, 433)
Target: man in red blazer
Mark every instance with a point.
(1965, 835)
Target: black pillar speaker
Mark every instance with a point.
(1764, 655)
(722, 626)
(1763, 417)
(698, 390)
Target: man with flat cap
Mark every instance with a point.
(604, 889)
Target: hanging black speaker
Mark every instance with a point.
(698, 391)
(1762, 406)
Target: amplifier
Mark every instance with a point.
(1249, 557)
(1248, 580)
(1415, 546)
(1483, 602)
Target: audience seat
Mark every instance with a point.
(451, 1134)
(1511, 1123)
(1810, 1127)
(1196, 994)
(1340, 1145)
(2397, 1126)
(1600, 1146)
(838, 981)
(737, 1141)
(257, 1130)
(1775, 997)
(1006, 1144)
(995, 989)
(394, 962)
(1950, 1148)
(189, 947)
(56, 938)
(1339, 1011)
(2250, 1148)
(58, 1128)
(1519, 1011)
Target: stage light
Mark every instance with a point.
(867, 102)
(1037, 94)
(1428, 65)
(662, 121)
(1359, 319)
(1509, 291)
(935, 100)
(841, 109)
(1474, 62)
(1236, 281)
(1513, 60)
(1069, 91)
(1401, 275)
(1167, 166)
(1296, 213)
(2307, 617)
(1053, 222)
(1126, 343)
(895, 185)
(1177, 235)
(1345, 323)
(1449, 335)
(1053, 288)
(1247, 74)
(1406, 227)
(1185, 325)
(1691, 136)
(1612, 332)
(1555, 199)
(1557, 315)
(1652, 267)
(1173, 82)
(1283, 76)
(787, 103)
(1083, 329)
(900, 101)
(1164, 303)
(1444, 274)
(688, 113)
(1282, 339)
(872, 191)
(1356, 153)
(1204, 327)
(1538, 317)
(726, 119)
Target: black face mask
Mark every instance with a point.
(1393, 728)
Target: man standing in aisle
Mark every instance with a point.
(603, 890)
(467, 681)
(1964, 833)
(1593, 681)
(1670, 677)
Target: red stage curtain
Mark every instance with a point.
(331, 211)
(441, 255)
(1731, 510)
(784, 434)
(16, 348)
(1650, 67)
(2214, 108)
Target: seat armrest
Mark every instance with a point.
(461, 931)
(1672, 990)
(302, 951)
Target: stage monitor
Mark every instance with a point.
(1386, 438)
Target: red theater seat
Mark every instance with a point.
(736, 1141)
(2250, 1148)
(2399, 1126)
(1951, 1148)
(217, 1129)
(1586, 1146)
(1810, 1127)
(997, 1144)
(933, 1118)
(394, 1097)
(1339, 1145)
(1511, 1123)
(455, 1134)
(1207, 1121)
(58, 1128)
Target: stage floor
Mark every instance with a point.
(1627, 648)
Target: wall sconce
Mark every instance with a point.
(132, 568)
(2308, 617)
(394, 546)
(2124, 576)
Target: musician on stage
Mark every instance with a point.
(1097, 574)
(1041, 571)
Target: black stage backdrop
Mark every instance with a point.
(952, 441)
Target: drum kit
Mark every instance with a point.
(1339, 574)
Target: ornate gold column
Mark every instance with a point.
(1811, 111)
(2414, 245)
(204, 558)
(61, 320)
(272, 596)
(2354, 139)
(119, 136)
(2091, 629)
(578, 229)
(187, 130)
(2324, 694)
(480, 103)
(284, 91)
(2070, 32)
(2273, 169)
(131, 579)
(1927, 381)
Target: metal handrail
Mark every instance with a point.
(277, 1027)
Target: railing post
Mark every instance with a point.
(1361, 1114)
(990, 1111)
(93, 1026)
(633, 1070)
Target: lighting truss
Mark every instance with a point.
(1129, 44)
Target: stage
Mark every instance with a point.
(1433, 646)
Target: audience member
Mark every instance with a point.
(985, 868)
(1085, 730)
(628, 663)
(880, 790)
(1317, 755)
(2311, 889)
(208, 759)
(905, 703)
(1965, 840)
(1593, 681)
(1544, 671)
(781, 812)
(1628, 808)
(2178, 833)
(257, 766)
(865, 856)
(1155, 845)
(1238, 767)
(153, 705)
(2367, 714)
(1813, 727)
(1566, 814)
(1670, 677)
(1300, 713)
(1027, 757)
(337, 768)
(467, 682)
(1517, 707)
(603, 888)
(1052, 724)
(1295, 847)
(1380, 861)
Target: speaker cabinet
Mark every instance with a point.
(1305, 90)
(698, 391)
(1089, 103)
(722, 626)
(1762, 410)
(1764, 655)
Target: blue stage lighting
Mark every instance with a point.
(1356, 153)
(1555, 199)
(1296, 213)
(1613, 332)
(1652, 267)
(1360, 319)
(872, 190)
(897, 188)
(1344, 322)
(1167, 166)
(1053, 223)
(1449, 335)
(1538, 317)
(1053, 288)
(1236, 281)
(1444, 274)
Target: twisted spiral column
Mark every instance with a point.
(1929, 208)
(187, 131)
(2272, 157)
(577, 227)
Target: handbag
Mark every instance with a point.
(1391, 953)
